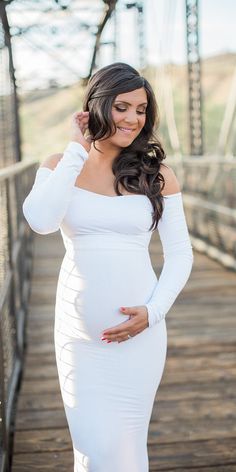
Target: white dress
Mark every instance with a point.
(108, 390)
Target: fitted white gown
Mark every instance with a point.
(108, 390)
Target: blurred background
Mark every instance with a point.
(187, 50)
(58, 44)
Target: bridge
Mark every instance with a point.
(193, 421)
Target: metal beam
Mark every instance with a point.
(109, 9)
(7, 37)
(141, 34)
(194, 78)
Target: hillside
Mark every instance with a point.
(45, 115)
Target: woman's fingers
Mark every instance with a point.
(82, 121)
(81, 117)
(133, 326)
(79, 127)
(120, 333)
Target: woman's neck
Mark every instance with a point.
(107, 155)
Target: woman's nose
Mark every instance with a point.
(131, 117)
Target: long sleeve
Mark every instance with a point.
(178, 258)
(45, 206)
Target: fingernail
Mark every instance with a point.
(108, 342)
(122, 308)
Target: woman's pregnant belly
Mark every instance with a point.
(94, 284)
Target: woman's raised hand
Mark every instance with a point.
(79, 126)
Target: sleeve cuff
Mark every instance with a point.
(152, 317)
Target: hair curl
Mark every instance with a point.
(137, 167)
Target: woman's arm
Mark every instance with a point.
(177, 252)
(45, 206)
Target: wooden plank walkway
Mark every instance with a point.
(193, 425)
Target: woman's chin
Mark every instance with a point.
(124, 141)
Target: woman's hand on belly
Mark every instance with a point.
(136, 324)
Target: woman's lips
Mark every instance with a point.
(125, 130)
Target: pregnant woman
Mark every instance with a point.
(106, 194)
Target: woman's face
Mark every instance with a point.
(129, 116)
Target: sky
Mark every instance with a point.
(164, 38)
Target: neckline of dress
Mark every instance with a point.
(109, 196)
(113, 196)
(119, 196)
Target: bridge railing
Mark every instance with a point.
(209, 194)
(15, 272)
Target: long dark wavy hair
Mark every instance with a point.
(137, 167)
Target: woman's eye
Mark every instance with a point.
(124, 109)
(120, 109)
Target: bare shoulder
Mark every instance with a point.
(51, 161)
(171, 182)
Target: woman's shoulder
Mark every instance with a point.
(172, 184)
(51, 161)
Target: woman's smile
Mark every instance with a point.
(125, 130)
